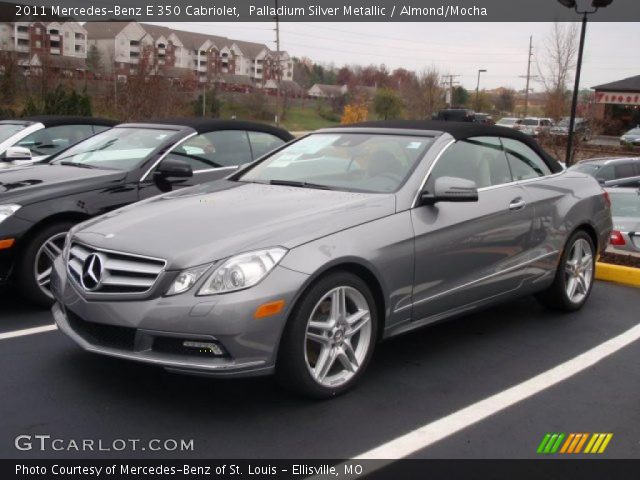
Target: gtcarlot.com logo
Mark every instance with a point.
(45, 443)
(574, 443)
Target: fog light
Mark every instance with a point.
(203, 347)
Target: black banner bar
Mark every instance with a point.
(315, 10)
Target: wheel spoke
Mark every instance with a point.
(577, 251)
(570, 267)
(586, 261)
(325, 361)
(571, 287)
(321, 339)
(356, 321)
(348, 357)
(44, 278)
(51, 250)
(338, 304)
(321, 326)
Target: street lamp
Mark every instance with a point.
(596, 4)
(478, 88)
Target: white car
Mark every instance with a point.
(534, 126)
(508, 122)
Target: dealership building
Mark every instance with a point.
(619, 100)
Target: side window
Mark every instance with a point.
(605, 173)
(479, 159)
(224, 148)
(49, 141)
(524, 162)
(624, 170)
(262, 143)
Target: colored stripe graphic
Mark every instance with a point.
(573, 443)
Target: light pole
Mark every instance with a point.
(596, 4)
(478, 88)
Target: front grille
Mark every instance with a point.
(120, 273)
(112, 336)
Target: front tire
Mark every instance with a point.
(574, 278)
(329, 338)
(36, 263)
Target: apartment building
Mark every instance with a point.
(180, 53)
(62, 44)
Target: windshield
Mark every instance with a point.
(506, 121)
(625, 204)
(633, 131)
(117, 149)
(8, 130)
(343, 161)
(530, 121)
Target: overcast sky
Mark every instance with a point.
(611, 51)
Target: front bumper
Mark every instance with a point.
(153, 330)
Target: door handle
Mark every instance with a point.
(517, 204)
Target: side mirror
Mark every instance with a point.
(174, 168)
(17, 153)
(450, 189)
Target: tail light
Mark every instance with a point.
(616, 238)
(607, 198)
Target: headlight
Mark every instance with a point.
(7, 210)
(187, 279)
(242, 271)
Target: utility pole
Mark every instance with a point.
(278, 65)
(528, 77)
(451, 77)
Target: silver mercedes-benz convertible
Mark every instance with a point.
(300, 262)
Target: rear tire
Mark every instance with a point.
(329, 338)
(34, 266)
(574, 278)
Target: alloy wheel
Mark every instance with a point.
(579, 270)
(44, 259)
(338, 336)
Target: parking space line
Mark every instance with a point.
(437, 430)
(28, 331)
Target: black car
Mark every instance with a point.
(131, 162)
(33, 139)
(612, 172)
(455, 115)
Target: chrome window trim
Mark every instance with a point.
(16, 137)
(162, 157)
(426, 177)
(482, 189)
(204, 170)
(81, 289)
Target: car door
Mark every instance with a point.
(468, 252)
(211, 155)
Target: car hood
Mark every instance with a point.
(219, 219)
(32, 184)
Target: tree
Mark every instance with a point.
(213, 104)
(506, 100)
(94, 59)
(387, 104)
(423, 96)
(354, 112)
(460, 96)
(554, 71)
(9, 77)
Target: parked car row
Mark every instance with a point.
(292, 257)
(612, 171)
(113, 168)
(536, 126)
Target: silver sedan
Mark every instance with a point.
(625, 209)
(299, 263)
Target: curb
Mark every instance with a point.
(619, 274)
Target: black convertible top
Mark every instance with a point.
(203, 125)
(55, 120)
(461, 131)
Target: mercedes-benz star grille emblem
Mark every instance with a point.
(92, 270)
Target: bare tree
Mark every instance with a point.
(423, 96)
(555, 64)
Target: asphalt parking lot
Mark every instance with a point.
(51, 387)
